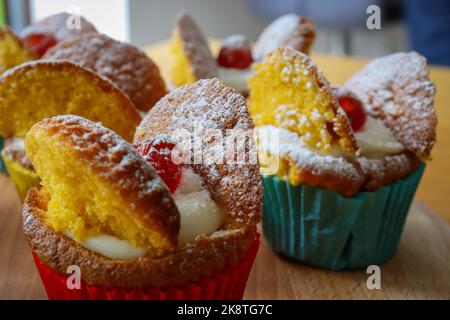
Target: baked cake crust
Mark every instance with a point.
(296, 32)
(211, 104)
(397, 90)
(344, 175)
(200, 258)
(203, 64)
(289, 67)
(125, 65)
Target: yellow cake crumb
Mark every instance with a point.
(82, 203)
(181, 71)
(288, 92)
(12, 51)
(43, 89)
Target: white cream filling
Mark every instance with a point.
(112, 247)
(236, 78)
(375, 139)
(199, 214)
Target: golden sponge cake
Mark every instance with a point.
(289, 92)
(12, 50)
(95, 182)
(42, 89)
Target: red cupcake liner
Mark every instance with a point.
(227, 284)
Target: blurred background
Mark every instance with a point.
(422, 25)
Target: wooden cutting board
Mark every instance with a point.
(420, 269)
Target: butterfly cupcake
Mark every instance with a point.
(136, 223)
(339, 170)
(40, 89)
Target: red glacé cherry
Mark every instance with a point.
(159, 154)
(39, 42)
(235, 53)
(354, 109)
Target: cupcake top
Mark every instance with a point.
(125, 65)
(397, 90)
(36, 90)
(207, 109)
(377, 156)
(193, 59)
(138, 218)
(290, 30)
(12, 51)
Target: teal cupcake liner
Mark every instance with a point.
(2, 164)
(325, 229)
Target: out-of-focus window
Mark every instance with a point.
(109, 16)
(2, 13)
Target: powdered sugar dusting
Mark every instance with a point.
(196, 47)
(212, 112)
(397, 90)
(236, 41)
(289, 30)
(57, 24)
(210, 106)
(382, 171)
(291, 146)
(110, 154)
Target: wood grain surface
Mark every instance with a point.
(419, 270)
